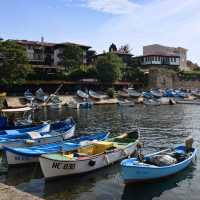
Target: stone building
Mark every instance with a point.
(45, 55)
(158, 55)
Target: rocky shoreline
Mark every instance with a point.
(11, 193)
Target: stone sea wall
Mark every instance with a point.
(167, 78)
(11, 193)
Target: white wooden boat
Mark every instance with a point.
(84, 104)
(151, 102)
(95, 95)
(82, 94)
(88, 158)
(126, 103)
(123, 94)
(167, 101)
(132, 93)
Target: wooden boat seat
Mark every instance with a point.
(34, 135)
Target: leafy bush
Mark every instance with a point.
(111, 92)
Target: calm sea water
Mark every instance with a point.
(161, 127)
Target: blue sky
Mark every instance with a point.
(100, 22)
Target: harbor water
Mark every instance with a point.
(161, 127)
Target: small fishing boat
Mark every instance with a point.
(96, 155)
(158, 165)
(132, 93)
(167, 101)
(170, 93)
(188, 102)
(126, 103)
(196, 93)
(156, 93)
(95, 95)
(55, 102)
(147, 95)
(123, 94)
(40, 95)
(16, 156)
(82, 94)
(59, 131)
(28, 95)
(151, 102)
(9, 120)
(181, 94)
(84, 104)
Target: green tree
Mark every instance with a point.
(71, 57)
(109, 67)
(125, 49)
(14, 66)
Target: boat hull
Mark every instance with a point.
(17, 158)
(56, 168)
(144, 173)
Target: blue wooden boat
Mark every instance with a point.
(153, 165)
(8, 120)
(156, 93)
(22, 133)
(28, 95)
(24, 155)
(147, 95)
(40, 95)
(57, 131)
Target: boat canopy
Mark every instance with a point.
(24, 109)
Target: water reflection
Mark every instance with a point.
(161, 127)
(148, 191)
(21, 174)
(72, 187)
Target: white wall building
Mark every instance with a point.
(162, 55)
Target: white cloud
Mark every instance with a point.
(115, 7)
(168, 22)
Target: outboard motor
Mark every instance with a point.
(188, 143)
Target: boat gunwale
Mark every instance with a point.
(14, 151)
(159, 167)
(92, 156)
